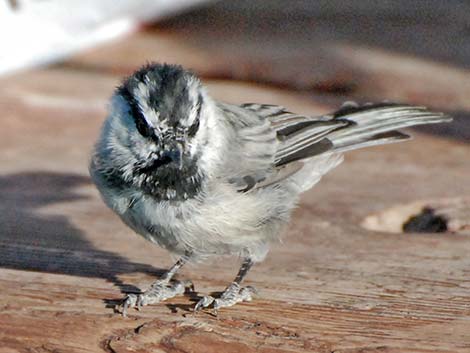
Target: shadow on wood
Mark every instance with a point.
(50, 243)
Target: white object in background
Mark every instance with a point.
(34, 32)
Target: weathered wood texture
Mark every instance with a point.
(331, 286)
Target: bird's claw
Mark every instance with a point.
(130, 301)
(157, 292)
(205, 302)
(231, 296)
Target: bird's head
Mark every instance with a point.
(153, 133)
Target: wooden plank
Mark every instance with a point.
(331, 286)
(361, 50)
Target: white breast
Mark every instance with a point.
(219, 222)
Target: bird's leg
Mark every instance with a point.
(233, 294)
(163, 288)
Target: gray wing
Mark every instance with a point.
(272, 143)
(300, 136)
(276, 143)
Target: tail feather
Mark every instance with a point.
(309, 147)
(377, 124)
(375, 140)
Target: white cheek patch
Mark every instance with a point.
(193, 94)
(194, 89)
(210, 139)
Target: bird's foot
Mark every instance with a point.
(157, 292)
(232, 295)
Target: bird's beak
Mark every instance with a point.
(175, 152)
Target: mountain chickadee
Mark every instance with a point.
(201, 178)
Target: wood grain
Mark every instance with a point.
(330, 286)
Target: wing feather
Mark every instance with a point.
(277, 144)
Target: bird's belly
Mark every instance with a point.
(229, 225)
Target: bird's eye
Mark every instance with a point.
(140, 123)
(195, 126)
(142, 126)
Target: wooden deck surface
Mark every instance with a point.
(332, 285)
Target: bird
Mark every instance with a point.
(204, 179)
